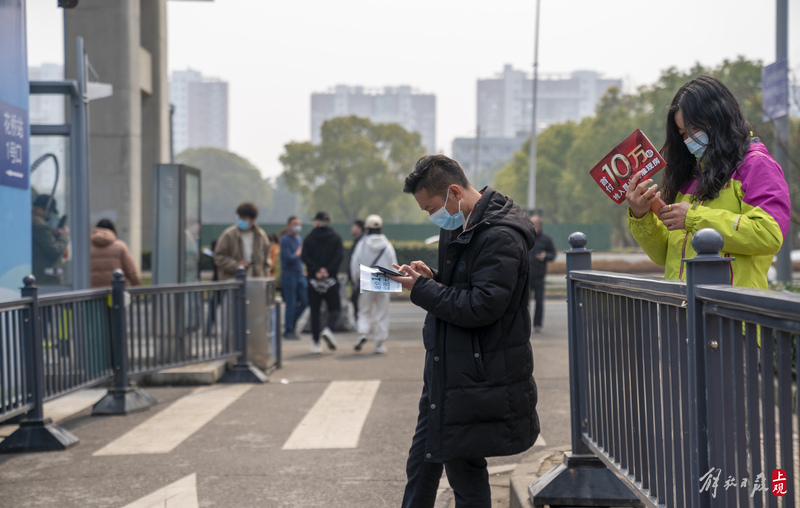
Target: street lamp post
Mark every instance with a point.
(532, 170)
(784, 262)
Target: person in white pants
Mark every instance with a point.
(373, 308)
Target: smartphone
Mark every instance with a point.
(389, 271)
(62, 221)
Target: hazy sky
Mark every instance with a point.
(274, 54)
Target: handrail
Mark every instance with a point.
(59, 343)
(682, 390)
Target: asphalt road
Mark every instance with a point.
(236, 456)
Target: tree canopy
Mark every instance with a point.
(227, 180)
(566, 152)
(357, 169)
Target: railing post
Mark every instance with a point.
(35, 433)
(243, 371)
(581, 479)
(578, 258)
(122, 398)
(707, 267)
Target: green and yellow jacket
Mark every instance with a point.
(751, 213)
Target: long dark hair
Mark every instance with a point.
(706, 105)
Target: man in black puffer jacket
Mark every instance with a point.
(322, 253)
(479, 396)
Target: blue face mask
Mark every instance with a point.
(446, 221)
(243, 225)
(697, 144)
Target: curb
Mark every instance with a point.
(527, 472)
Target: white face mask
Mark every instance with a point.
(697, 143)
(296, 229)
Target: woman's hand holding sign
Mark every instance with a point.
(641, 195)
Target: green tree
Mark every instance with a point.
(357, 169)
(227, 180)
(285, 203)
(566, 152)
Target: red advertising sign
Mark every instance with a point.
(614, 172)
(779, 482)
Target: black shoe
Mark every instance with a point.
(360, 343)
(290, 336)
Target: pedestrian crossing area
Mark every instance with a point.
(334, 419)
(337, 417)
(169, 428)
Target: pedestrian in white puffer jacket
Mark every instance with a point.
(373, 308)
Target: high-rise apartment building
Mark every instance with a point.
(504, 114)
(200, 118)
(414, 111)
(505, 101)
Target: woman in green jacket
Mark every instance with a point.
(718, 176)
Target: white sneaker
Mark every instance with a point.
(327, 335)
(380, 349)
(316, 349)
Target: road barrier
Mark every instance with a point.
(682, 394)
(57, 344)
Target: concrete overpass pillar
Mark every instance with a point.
(129, 132)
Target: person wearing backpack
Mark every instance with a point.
(373, 308)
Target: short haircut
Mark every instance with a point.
(290, 219)
(434, 174)
(247, 209)
(359, 223)
(106, 224)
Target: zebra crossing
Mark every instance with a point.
(328, 431)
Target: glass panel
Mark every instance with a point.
(192, 215)
(50, 193)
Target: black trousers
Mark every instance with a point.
(468, 478)
(537, 287)
(333, 303)
(354, 298)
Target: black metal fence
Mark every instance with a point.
(687, 392)
(57, 344)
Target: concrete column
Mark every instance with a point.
(112, 37)
(155, 106)
(126, 43)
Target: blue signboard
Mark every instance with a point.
(13, 146)
(15, 194)
(775, 90)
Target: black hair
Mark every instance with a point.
(707, 105)
(106, 224)
(434, 174)
(290, 219)
(247, 209)
(359, 223)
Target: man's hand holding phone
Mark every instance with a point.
(412, 273)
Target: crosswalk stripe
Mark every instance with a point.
(181, 494)
(169, 428)
(335, 421)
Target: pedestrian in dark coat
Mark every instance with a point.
(323, 252)
(541, 254)
(479, 396)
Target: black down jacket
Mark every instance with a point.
(479, 362)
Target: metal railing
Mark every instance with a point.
(59, 343)
(687, 392)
